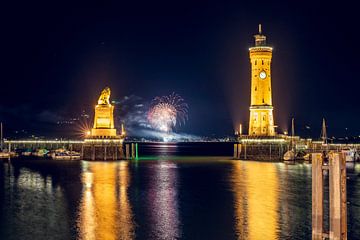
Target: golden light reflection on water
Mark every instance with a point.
(255, 187)
(105, 209)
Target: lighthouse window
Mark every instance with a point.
(263, 101)
(263, 118)
(255, 88)
(262, 62)
(255, 62)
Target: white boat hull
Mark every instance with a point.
(4, 155)
(62, 154)
(77, 157)
(289, 156)
(349, 155)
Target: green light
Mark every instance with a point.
(136, 151)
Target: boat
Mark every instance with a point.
(323, 135)
(307, 157)
(40, 152)
(4, 155)
(62, 154)
(357, 156)
(291, 154)
(26, 153)
(7, 154)
(324, 145)
(349, 154)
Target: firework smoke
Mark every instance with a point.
(167, 112)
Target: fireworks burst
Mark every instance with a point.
(167, 112)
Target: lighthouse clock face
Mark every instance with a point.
(262, 75)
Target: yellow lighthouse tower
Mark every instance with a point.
(261, 110)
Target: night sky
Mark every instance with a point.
(56, 59)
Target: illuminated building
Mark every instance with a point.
(261, 110)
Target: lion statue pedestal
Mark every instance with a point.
(104, 117)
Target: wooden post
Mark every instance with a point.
(114, 152)
(235, 150)
(239, 151)
(105, 152)
(317, 197)
(93, 152)
(337, 192)
(82, 151)
(337, 186)
(127, 151)
(121, 149)
(245, 151)
(133, 151)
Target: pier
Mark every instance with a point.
(264, 148)
(274, 148)
(76, 145)
(93, 149)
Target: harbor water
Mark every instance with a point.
(173, 191)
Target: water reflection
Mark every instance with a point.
(162, 201)
(34, 205)
(105, 211)
(255, 187)
(188, 198)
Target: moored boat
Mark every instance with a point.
(289, 155)
(40, 152)
(7, 154)
(349, 154)
(4, 155)
(26, 153)
(307, 157)
(62, 154)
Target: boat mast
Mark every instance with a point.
(292, 134)
(1, 136)
(323, 132)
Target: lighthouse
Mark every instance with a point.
(261, 121)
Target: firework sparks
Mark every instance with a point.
(167, 112)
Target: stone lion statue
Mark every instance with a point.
(105, 96)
